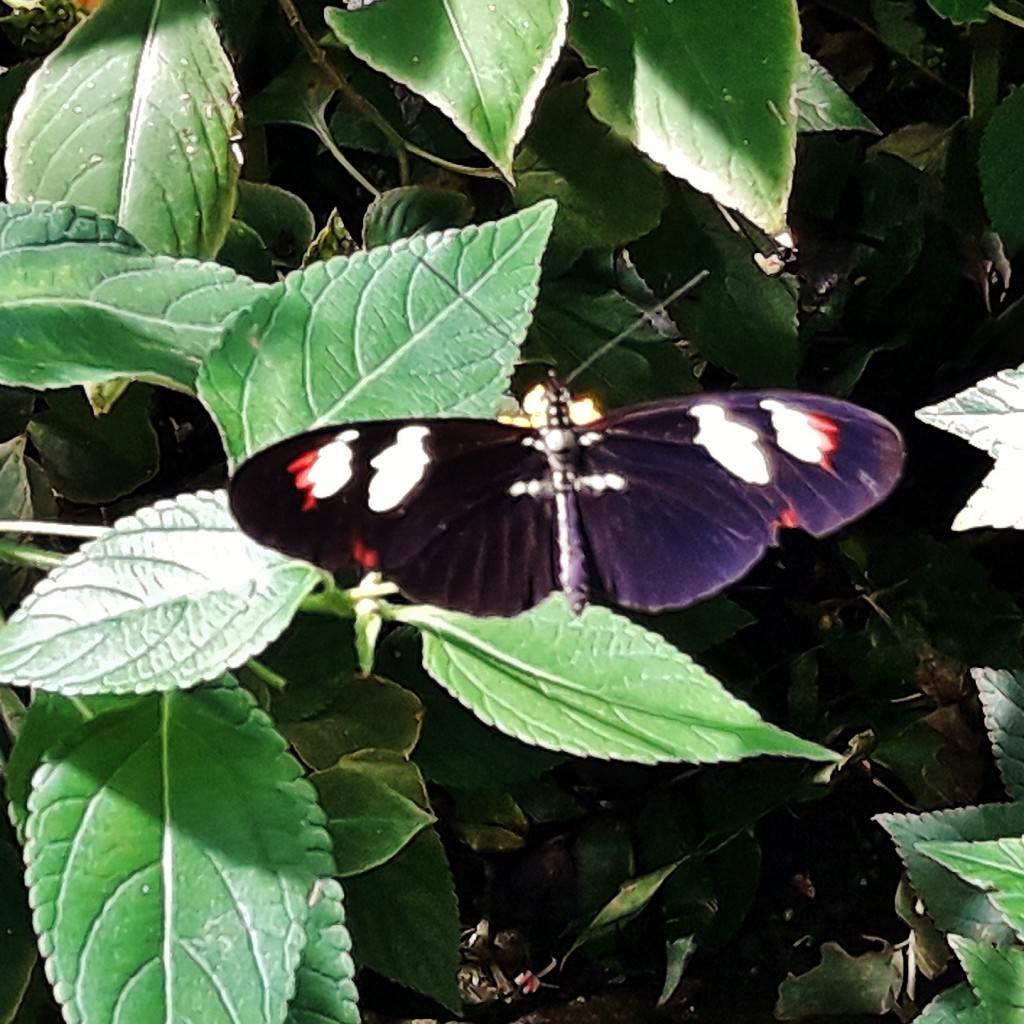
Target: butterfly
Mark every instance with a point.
(649, 507)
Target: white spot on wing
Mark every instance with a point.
(331, 470)
(805, 437)
(734, 446)
(399, 468)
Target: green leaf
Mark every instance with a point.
(281, 219)
(633, 897)
(987, 416)
(607, 193)
(996, 976)
(365, 713)
(845, 985)
(703, 88)
(1001, 167)
(821, 106)
(96, 459)
(172, 848)
(483, 66)
(416, 941)
(49, 721)
(146, 607)
(134, 115)
(325, 992)
(955, 905)
(738, 318)
(595, 685)
(995, 866)
(84, 302)
(961, 12)
(426, 326)
(957, 1005)
(374, 806)
(401, 212)
(1002, 699)
(25, 493)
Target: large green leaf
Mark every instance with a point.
(481, 64)
(81, 301)
(172, 850)
(703, 87)
(134, 115)
(595, 685)
(169, 597)
(426, 326)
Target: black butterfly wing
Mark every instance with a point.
(708, 481)
(426, 502)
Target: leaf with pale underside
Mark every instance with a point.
(172, 849)
(481, 64)
(595, 685)
(990, 415)
(169, 597)
(134, 115)
(84, 302)
(426, 326)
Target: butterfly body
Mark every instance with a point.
(651, 507)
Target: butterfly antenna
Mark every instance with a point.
(603, 350)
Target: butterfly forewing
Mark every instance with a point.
(426, 502)
(710, 480)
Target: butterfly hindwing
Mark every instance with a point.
(426, 502)
(710, 480)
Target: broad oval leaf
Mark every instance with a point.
(595, 685)
(134, 115)
(172, 849)
(84, 302)
(481, 64)
(426, 326)
(704, 88)
(169, 597)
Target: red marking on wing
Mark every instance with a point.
(788, 518)
(828, 436)
(299, 468)
(367, 557)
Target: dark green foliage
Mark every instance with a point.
(715, 804)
